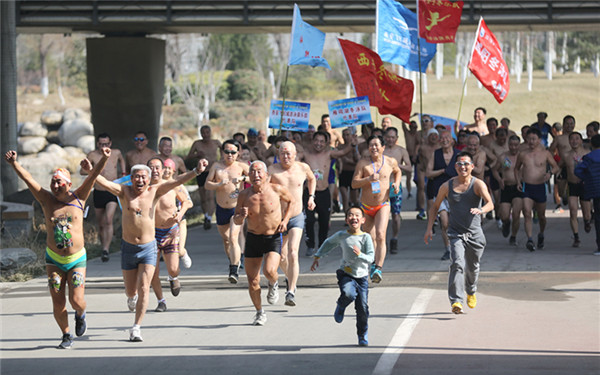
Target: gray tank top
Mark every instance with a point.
(461, 219)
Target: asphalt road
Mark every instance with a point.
(537, 313)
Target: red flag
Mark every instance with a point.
(487, 63)
(439, 20)
(390, 93)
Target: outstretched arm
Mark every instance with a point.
(35, 188)
(84, 190)
(182, 178)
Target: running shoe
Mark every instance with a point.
(273, 295)
(175, 287)
(512, 241)
(80, 324)
(363, 340)
(457, 308)
(558, 210)
(446, 255)
(290, 299)
(67, 342)
(186, 260)
(135, 334)
(338, 314)
(105, 256)
(376, 276)
(207, 224)
(587, 226)
(506, 228)
(530, 246)
(422, 215)
(597, 252)
(540, 242)
(162, 307)
(310, 251)
(233, 274)
(260, 318)
(471, 300)
(576, 242)
(394, 246)
(132, 302)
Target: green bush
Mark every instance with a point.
(244, 85)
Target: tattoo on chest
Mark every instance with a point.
(62, 235)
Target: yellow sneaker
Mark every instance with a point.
(457, 308)
(471, 300)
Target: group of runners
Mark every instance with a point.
(263, 195)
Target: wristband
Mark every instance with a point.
(196, 171)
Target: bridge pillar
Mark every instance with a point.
(125, 78)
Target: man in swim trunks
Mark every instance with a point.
(65, 252)
(374, 176)
(293, 174)
(138, 247)
(140, 153)
(531, 174)
(104, 202)
(226, 178)
(348, 161)
(576, 189)
(261, 206)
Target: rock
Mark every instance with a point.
(87, 143)
(41, 167)
(30, 145)
(11, 259)
(55, 149)
(33, 129)
(52, 119)
(74, 114)
(70, 131)
(52, 136)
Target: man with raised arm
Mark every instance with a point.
(293, 174)
(260, 204)
(65, 252)
(138, 247)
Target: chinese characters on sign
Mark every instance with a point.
(295, 115)
(349, 112)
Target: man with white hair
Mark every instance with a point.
(138, 247)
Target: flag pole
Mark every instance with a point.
(419, 54)
(462, 94)
(287, 70)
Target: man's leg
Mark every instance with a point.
(56, 284)
(270, 266)
(323, 208)
(380, 225)
(291, 266)
(573, 210)
(517, 208)
(235, 250)
(597, 221)
(345, 194)
(109, 215)
(155, 283)
(309, 224)
(473, 253)
(420, 190)
(541, 210)
(252, 267)
(408, 183)
(456, 277)
(144, 276)
(528, 217)
(172, 263)
(208, 204)
(224, 232)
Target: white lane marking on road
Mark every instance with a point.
(390, 355)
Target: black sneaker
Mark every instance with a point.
(587, 226)
(512, 241)
(530, 246)
(162, 307)
(80, 325)
(540, 241)
(446, 255)
(233, 274)
(105, 256)
(394, 246)
(506, 228)
(207, 224)
(67, 342)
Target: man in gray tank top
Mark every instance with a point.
(467, 242)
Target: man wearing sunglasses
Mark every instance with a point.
(467, 241)
(141, 153)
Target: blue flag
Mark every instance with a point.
(397, 34)
(307, 43)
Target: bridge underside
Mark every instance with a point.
(143, 17)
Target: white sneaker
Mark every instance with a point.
(135, 334)
(131, 302)
(260, 318)
(499, 223)
(273, 295)
(186, 260)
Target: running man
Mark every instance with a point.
(65, 252)
(467, 241)
(141, 153)
(138, 247)
(374, 176)
(292, 175)
(261, 205)
(576, 196)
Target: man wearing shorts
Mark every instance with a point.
(576, 196)
(138, 247)
(65, 252)
(348, 162)
(261, 206)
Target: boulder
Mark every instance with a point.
(41, 167)
(30, 145)
(11, 259)
(52, 136)
(87, 143)
(33, 129)
(74, 114)
(70, 131)
(56, 150)
(52, 119)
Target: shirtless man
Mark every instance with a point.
(348, 162)
(256, 146)
(413, 140)
(262, 137)
(531, 174)
(167, 232)
(319, 161)
(206, 148)
(510, 196)
(561, 146)
(138, 247)
(141, 153)
(292, 174)
(490, 137)
(479, 126)
(374, 176)
(403, 159)
(65, 252)
(426, 150)
(439, 170)
(494, 152)
(576, 196)
(261, 205)
(386, 122)
(165, 151)
(335, 137)
(104, 202)
(478, 156)
(226, 178)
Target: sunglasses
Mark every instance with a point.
(463, 163)
(229, 152)
(139, 139)
(426, 120)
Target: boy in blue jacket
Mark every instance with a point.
(358, 253)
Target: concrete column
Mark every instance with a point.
(126, 83)
(8, 95)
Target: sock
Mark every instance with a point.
(170, 278)
(576, 236)
(136, 326)
(164, 300)
(260, 311)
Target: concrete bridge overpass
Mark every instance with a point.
(126, 69)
